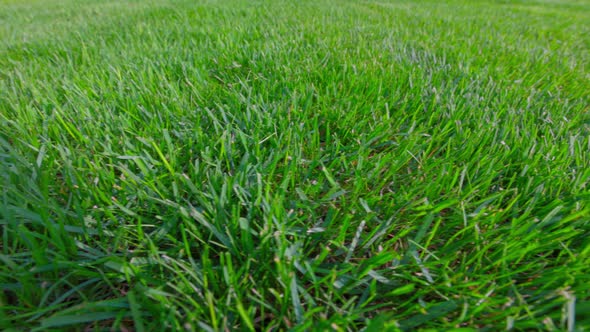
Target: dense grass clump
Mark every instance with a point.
(306, 165)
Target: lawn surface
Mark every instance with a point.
(307, 165)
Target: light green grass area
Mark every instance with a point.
(341, 165)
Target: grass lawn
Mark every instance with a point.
(342, 165)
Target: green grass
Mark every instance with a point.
(306, 165)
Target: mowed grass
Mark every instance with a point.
(306, 165)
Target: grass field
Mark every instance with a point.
(306, 165)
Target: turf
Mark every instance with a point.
(306, 165)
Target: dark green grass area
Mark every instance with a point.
(306, 165)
